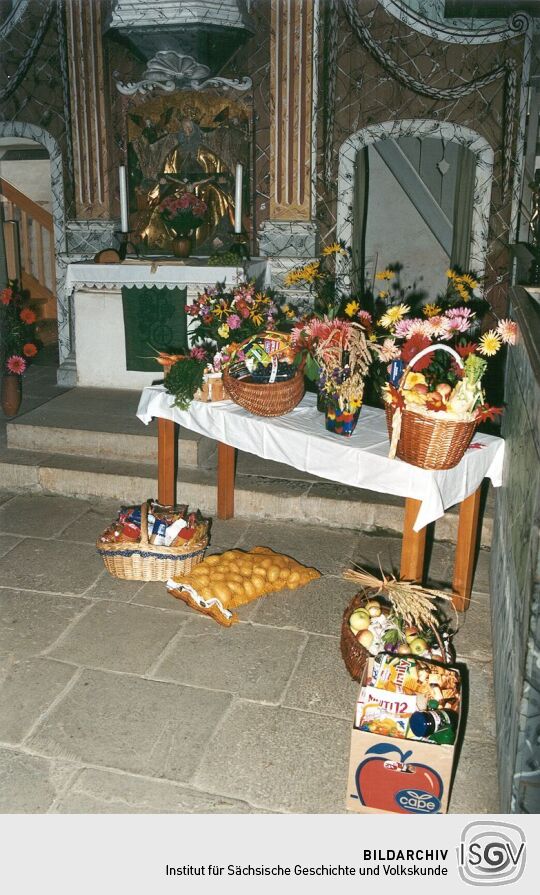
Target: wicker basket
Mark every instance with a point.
(142, 561)
(268, 398)
(354, 654)
(426, 441)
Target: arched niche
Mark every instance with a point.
(483, 154)
(41, 136)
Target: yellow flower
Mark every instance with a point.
(462, 291)
(372, 337)
(490, 343)
(383, 294)
(414, 379)
(451, 274)
(352, 308)
(469, 281)
(257, 318)
(393, 315)
(285, 308)
(290, 314)
(224, 331)
(384, 275)
(431, 310)
(334, 249)
(291, 278)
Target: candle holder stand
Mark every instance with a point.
(240, 246)
(125, 244)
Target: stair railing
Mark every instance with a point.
(29, 240)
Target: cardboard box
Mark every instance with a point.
(396, 775)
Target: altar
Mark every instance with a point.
(95, 291)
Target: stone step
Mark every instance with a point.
(276, 498)
(88, 422)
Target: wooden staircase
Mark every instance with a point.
(30, 256)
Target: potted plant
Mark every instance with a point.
(182, 215)
(18, 344)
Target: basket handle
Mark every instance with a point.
(440, 346)
(144, 524)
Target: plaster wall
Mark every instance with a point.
(388, 240)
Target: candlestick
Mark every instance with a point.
(238, 199)
(124, 225)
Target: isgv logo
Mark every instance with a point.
(491, 853)
(417, 801)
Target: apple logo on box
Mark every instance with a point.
(394, 785)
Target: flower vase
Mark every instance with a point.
(181, 246)
(341, 421)
(11, 396)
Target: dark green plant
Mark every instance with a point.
(184, 379)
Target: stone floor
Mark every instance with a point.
(114, 697)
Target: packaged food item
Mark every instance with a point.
(165, 524)
(405, 674)
(397, 706)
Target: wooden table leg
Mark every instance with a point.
(167, 461)
(467, 540)
(413, 547)
(225, 483)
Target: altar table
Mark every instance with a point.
(299, 439)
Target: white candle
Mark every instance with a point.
(124, 224)
(238, 200)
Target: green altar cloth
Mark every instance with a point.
(154, 320)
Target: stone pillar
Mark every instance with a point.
(89, 108)
(290, 232)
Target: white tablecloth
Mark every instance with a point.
(300, 439)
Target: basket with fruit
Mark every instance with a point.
(372, 624)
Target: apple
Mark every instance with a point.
(410, 633)
(444, 389)
(365, 638)
(418, 646)
(374, 608)
(420, 388)
(386, 782)
(359, 620)
(403, 649)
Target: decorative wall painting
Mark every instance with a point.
(190, 141)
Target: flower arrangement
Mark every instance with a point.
(222, 320)
(17, 330)
(327, 278)
(439, 384)
(183, 213)
(224, 316)
(339, 351)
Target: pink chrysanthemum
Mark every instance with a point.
(460, 312)
(234, 321)
(507, 330)
(198, 353)
(458, 324)
(16, 364)
(402, 327)
(365, 318)
(418, 327)
(389, 350)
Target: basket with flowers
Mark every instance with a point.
(436, 359)
(223, 321)
(18, 342)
